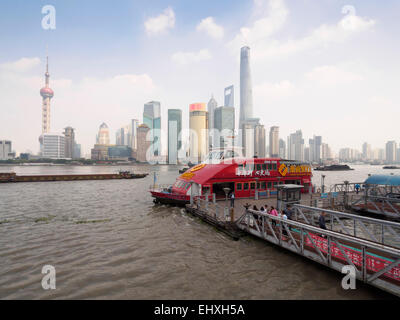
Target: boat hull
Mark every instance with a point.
(170, 198)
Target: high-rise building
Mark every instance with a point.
(391, 149)
(5, 150)
(174, 131)
(103, 136)
(274, 142)
(282, 149)
(133, 132)
(152, 118)
(52, 146)
(259, 141)
(229, 98)
(47, 94)
(99, 152)
(224, 119)
(326, 152)
(198, 123)
(246, 94)
(366, 151)
(77, 151)
(295, 146)
(213, 139)
(315, 149)
(69, 135)
(143, 143)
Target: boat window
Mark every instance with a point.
(263, 185)
(187, 186)
(269, 166)
(274, 166)
(258, 166)
(264, 167)
(249, 166)
(238, 186)
(252, 185)
(246, 186)
(269, 185)
(275, 184)
(258, 185)
(240, 167)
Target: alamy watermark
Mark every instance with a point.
(349, 280)
(49, 280)
(49, 19)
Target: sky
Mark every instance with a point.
(327, 67)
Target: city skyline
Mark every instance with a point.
(113, 89)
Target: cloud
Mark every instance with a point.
(161, 23)
(259, 36)
(275, 15)
(185, 58)
(332, 75)
(209, 26)
(21, 65)
(274, 91)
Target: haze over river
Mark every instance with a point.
(107, 240)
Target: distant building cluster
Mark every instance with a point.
(211, 127)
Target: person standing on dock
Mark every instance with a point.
(357, 188)
(232, 200)
(321, 221)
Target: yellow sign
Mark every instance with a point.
(283, 170)
(187, 175)
(198, 167)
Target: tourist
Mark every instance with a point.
(232, 200)
(263, 210)
(255, 208)
(357, 188)
(321, 221)
(273, 212)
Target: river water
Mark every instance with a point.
(107, 240)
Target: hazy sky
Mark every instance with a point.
(328, 67)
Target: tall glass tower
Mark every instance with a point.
(246, 93)
(152, 118)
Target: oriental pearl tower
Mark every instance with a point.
(46, 94)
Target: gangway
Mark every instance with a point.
(375, 230)
(374, 263)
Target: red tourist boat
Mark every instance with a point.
(243, 176)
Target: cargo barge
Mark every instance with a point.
(13, 177)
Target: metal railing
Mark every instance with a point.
(346, 187)
(381, 205)
(219, 213)
(376, 230)
(375, 264)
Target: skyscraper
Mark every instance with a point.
(391, 150)
(52, 146)
(282, 149)
(211, 106)
(143, 143)
(174, 129)
(69, 135)
(198, 132)
(224, 119)
(229, 97)
(246, 94)
(366, 151)
(274, 142)
(133, 131)
(259, 141)
(295, 146)
(103, 137)
(152, 118)
(47, 94)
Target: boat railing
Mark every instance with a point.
(213, 209)
(159, 187)
(373, 263)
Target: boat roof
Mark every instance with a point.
(383, 180)
(226, 169)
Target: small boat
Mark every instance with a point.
(335, 167)
(130, 175)
(391, 167)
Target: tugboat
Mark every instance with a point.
(243, 176)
